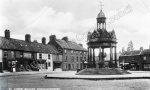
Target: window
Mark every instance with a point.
(72, 51)
(49, 56)
(66, 66)
(72, 58)
(57, 57)
(66, 58)
(12, 54)
(65, 51)
(81, 59)
(144, 58)
(5, 53)
(77, 58)
(77, 66)
(85, 58)
(49, 64)
(40, 56)
(21, 54)
(77, 52)
(132, 58)
(72, 66)
(80, 52)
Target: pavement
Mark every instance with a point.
(29, 73)
(72, 75)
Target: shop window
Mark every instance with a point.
(9, 64)
(40, 56)
(49, 64)
(146, 65)
(49, 56)
(5, 54)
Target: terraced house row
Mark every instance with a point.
(24, 55)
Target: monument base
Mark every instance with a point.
(102, 71)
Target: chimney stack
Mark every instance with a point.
(65, 38)
(28, 38)
(7, 34)
(52, 38)
(44, 40)
(141, 48)
(81, 44)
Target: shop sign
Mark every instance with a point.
(27, 55)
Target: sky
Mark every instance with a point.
(74, 18)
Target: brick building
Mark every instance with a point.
(73, 54)
(135, 60)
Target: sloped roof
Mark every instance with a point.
(136, 52)
(102, 35)
(145, 51)
(131, 53)
(70, 45)
(15, 44)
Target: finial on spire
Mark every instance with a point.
(101, 5)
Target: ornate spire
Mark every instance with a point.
(101, 5)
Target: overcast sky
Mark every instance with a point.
(74, 18)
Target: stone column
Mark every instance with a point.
(103, 57)
(88, 55)
(111, 57)
(99, 56)
(115, 57)
(97, 25)
(91, 59)
(94, 57)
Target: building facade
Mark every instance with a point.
(73, 54)
(23, 55)
(135, 60)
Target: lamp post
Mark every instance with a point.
(85, 62)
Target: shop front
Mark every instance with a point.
(24, 64)
(9, 65)
(42, 64)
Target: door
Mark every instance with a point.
(69, 66)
